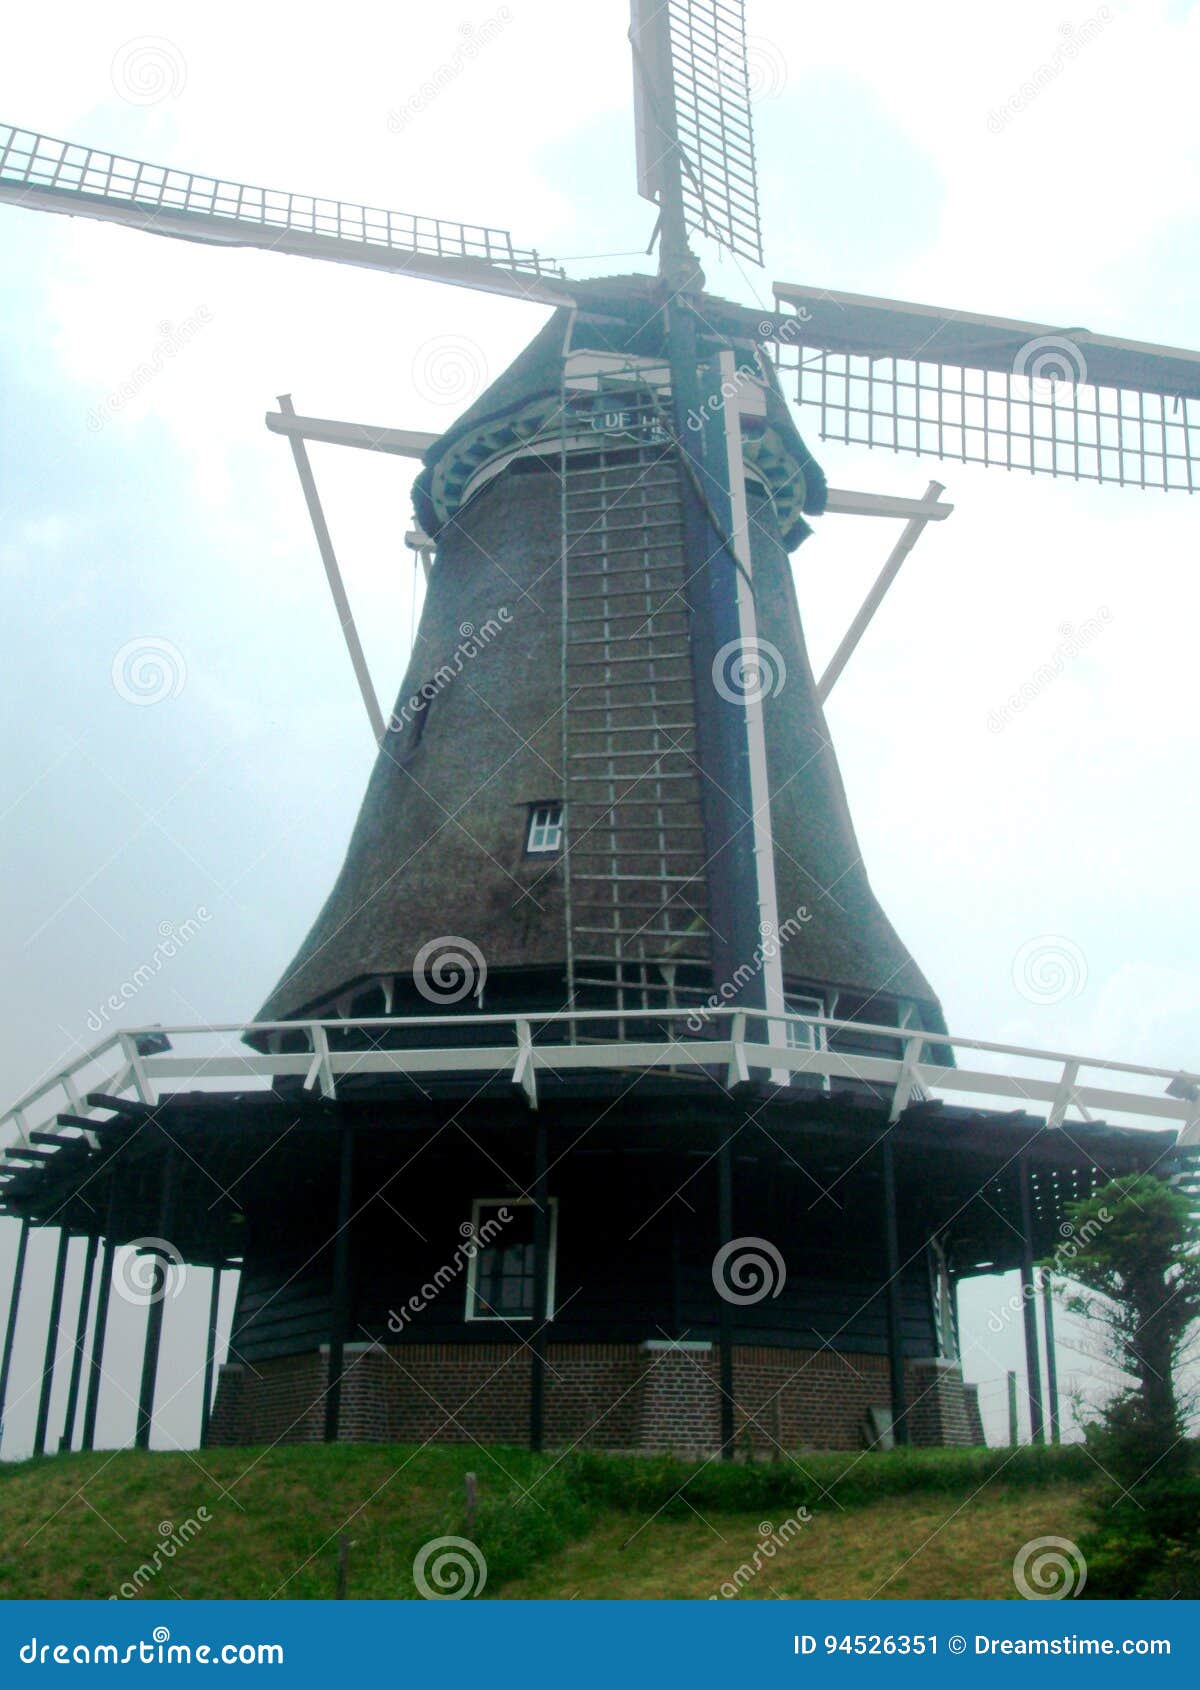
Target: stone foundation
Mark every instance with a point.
(653, 1396)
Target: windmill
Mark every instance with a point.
(650, 921)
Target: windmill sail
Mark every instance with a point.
(692, 106)
(988, 390)
(44, 174)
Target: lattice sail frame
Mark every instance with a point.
(709, 86)
(54, 174)
(638, 935)
(1046, 427)
(1070, 404)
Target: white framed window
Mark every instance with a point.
(500, 1273)
(545, 828)
(800, 1037)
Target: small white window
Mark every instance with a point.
(799, 1036)
(545, 828)
(500, 1274)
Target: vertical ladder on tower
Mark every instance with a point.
(637, 896)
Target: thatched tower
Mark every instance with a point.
(489, 711)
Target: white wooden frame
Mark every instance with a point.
(478, 1204)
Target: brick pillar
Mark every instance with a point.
(679, 1407)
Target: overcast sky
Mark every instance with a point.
(893, 162)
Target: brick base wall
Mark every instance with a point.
(654, 1396)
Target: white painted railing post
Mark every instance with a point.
(738, 1069)
(321, 1068)
(524, 1073)
(907, 1081)
(1065, 1095)
(135, 1067)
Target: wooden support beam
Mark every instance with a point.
(53, 1326)
(10, 1329)
(210, 1353)
(894, 1295)
(99, 1333)
(1051, 1357)
(541, 1289)
(913, 529)
(724, 1306)
(77, 1349)
(340, 1310)
(158, 1296)
(333, 574)
(1014, 1425)
(1033, 1371)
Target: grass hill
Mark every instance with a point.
(267, 1522)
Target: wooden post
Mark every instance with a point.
(1051, 1357)
(472, 1497)
(85, 1303)
(1014, 1429)
(541, 1289)
(342, 1589)
(10, 1330)
(52, 1331)
(99, 1333)
(724, 1306)
(158, 1297)
(340, 1323)
(894, 1299)
(210, 1353)
(1033, 1372)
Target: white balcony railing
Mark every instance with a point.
(730, 1046)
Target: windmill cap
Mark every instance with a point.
(622, 317)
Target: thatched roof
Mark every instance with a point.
(438, 847)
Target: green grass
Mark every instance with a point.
(921, 1523)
